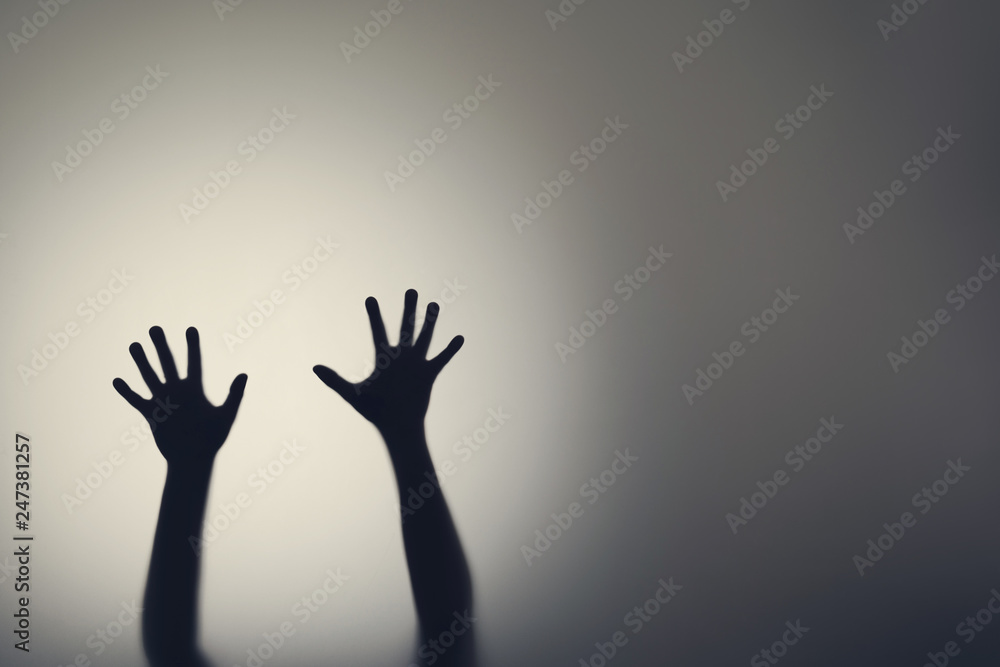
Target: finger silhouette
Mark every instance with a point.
(333, 380)
(134, 399)
(378, 327)
(163, 352)
(424, 340)
(194, 355)
(441, 360)
(145, 370)
(232, 403)
(409, 318)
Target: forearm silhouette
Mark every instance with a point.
(395, 400)
(188, 431)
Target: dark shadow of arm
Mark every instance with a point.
(170, 616)
(439, 573)
(188, 431)
(395, 399)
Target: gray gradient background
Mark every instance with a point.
(334, 507)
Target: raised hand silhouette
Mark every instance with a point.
(188, 430)
(395, 399)
(195, 429)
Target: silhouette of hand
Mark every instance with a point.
(186, 427)
(395, 398)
